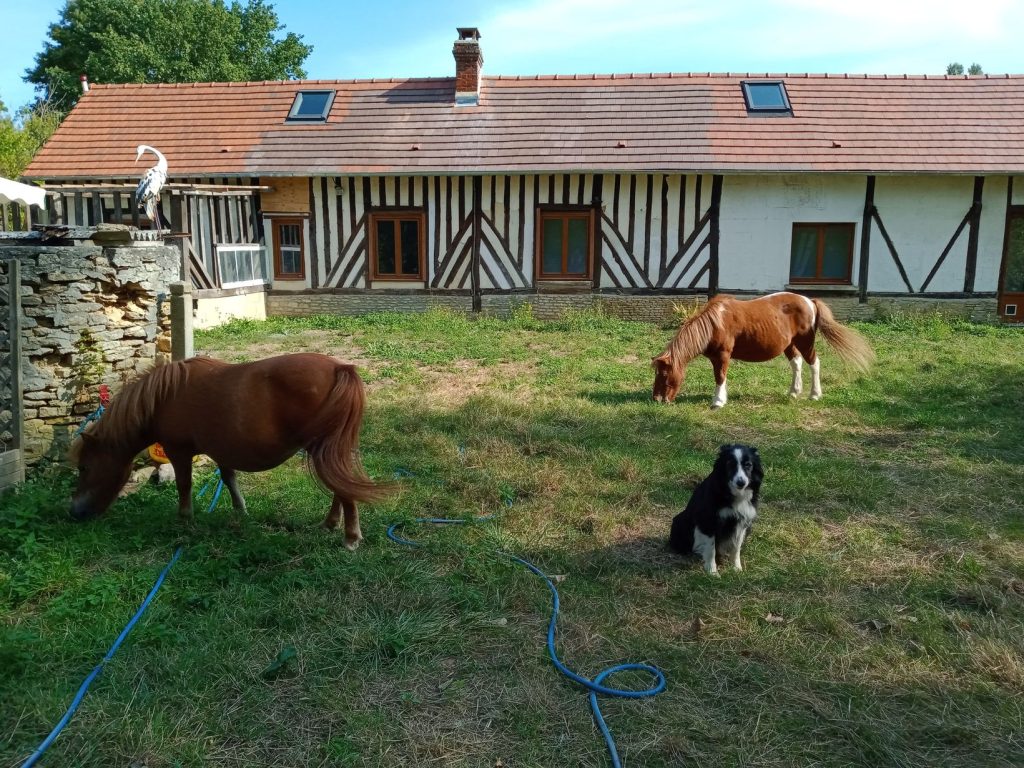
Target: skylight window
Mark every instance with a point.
(311, 106)
(766, 97)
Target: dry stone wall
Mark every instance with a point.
(91, 315)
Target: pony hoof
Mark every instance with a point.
(815, 397)
(352, 544)
(716, 406)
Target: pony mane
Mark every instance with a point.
(695, 334)
(132, 409)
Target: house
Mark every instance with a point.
(633, 190)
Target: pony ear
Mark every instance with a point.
(662, 358)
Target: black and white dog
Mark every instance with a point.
(722, 508)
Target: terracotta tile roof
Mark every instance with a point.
(639, 122)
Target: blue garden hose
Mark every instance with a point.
(84, 687)
(90, 418)
(594, 686)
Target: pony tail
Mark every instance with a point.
(851, 347)
(335, 456)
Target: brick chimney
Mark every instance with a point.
(468, 61)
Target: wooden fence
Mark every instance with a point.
(12, 460)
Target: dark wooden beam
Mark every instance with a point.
(865, 239)
(892, 249)
(946, 250)
(478, 186)
(972, 235)
(715, 234)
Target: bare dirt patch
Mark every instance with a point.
(461, 380)
(326, 342)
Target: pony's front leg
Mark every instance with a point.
(721, 366)
(230, 479)
(183, 479)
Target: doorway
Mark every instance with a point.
(1011, 276)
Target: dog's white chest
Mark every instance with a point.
(742, 510)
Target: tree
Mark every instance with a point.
(164, 41)
(956, 68)
(21, 138)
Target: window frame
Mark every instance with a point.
(567, 213)
(419, 215)
(748, 99)
(257, 263)
(275, 225)
(821, 227)
(294, 117)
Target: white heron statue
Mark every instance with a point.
(147, 194)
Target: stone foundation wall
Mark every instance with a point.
(91, 315)
(302, 304)
(881, 307)
(662, 310)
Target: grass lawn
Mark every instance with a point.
(880, 621)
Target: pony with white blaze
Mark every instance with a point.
(755, 331)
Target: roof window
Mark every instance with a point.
(766, 97)
(311, 106)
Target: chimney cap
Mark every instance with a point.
(468, 33)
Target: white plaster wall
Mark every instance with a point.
(920, 213)
(992, 232)
(757, 217)
(212, 312)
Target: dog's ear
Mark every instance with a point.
(754, 452)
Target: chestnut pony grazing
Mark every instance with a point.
(756, 330)
(248, 417)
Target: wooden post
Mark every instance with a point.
(971, 267)
(182, 346)
(714, 236)
(865, 240)
(478, 183)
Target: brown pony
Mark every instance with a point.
(248, 417)
(756, 330)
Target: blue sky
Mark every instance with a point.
(392, 38)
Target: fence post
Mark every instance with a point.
(181, 321)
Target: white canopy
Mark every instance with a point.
(15, 192)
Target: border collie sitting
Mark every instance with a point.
(722, 508)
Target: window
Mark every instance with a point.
(288, 260)
(241, 264)
(397, 245)
(822, 253)
(767, 96)
(565, 244)
(311, 106)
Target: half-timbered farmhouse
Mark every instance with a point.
(632, 190)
